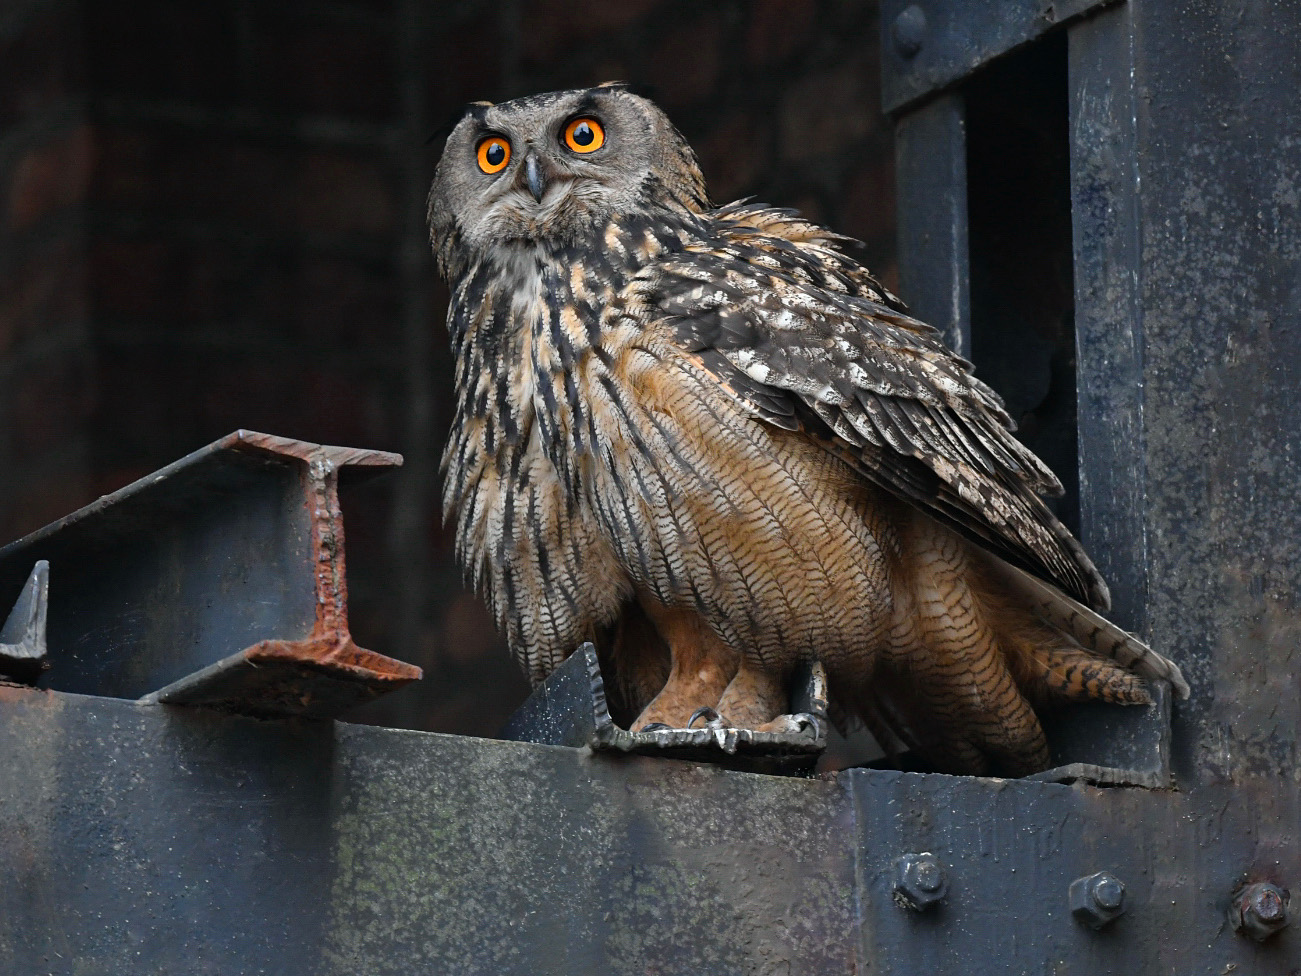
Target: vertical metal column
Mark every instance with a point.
(931, 147)
(1186, 240)
(1108, 314)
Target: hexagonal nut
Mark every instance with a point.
(1259, 910)
(1097, 899)
(919, 881)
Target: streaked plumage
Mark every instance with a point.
(714, 430)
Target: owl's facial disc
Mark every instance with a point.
(551, 169)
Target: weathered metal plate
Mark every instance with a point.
(184, 840)
(934, 270)
(937, 43)
(1111, 745)
(163, 840)
(1012, 848)
(569, 709)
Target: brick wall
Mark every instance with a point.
(213, 218)
(47, 379)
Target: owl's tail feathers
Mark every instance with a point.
(1065, 673)
(1107, 659)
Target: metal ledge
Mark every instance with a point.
(140, 839)
(22, 638)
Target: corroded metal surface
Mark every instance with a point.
(1186, 249)
(1111, 745)
(185, 840)
(218, 580)
(931, 211)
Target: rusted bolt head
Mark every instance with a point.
(909, 30)
(919, 881)
(1259, 910)
(1096, 899)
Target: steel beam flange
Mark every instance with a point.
(22, 638)
(218, 580)
(325, 673)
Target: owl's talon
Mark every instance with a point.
(711, 717)
(792, 724)
(655, 727)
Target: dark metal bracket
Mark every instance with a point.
(1111, 745)
(22, 638)
(569, 709)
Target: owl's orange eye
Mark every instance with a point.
(494, 154)
(584, 135)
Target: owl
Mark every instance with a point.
(709, 440)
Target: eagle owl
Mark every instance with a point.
(709, 440)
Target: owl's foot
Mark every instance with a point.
(678, 705)
(754, 699)
(703, 665)
(782, 724)
(757, 700)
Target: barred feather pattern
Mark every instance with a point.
(721, 411)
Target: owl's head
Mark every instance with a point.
(549, 169)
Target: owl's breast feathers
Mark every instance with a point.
(644, 410)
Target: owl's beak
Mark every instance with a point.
(533, 174)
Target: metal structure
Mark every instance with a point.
(1157, 240)
(217, 581)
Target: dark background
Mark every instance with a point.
(212, 217)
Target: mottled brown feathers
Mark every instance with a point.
(715, 432)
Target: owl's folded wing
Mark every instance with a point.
(808, 341)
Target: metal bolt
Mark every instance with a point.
(1097, 899)
(1259, 910)
(908, 31)
(919, 881)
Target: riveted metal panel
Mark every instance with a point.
(157, 839)
(930, 45)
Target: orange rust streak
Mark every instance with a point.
(338, 655)
(307, 451)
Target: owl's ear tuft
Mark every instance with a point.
(648, 92)
(474, 109)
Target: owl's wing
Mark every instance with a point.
(808, 340)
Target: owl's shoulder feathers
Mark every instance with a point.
(772, 306)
